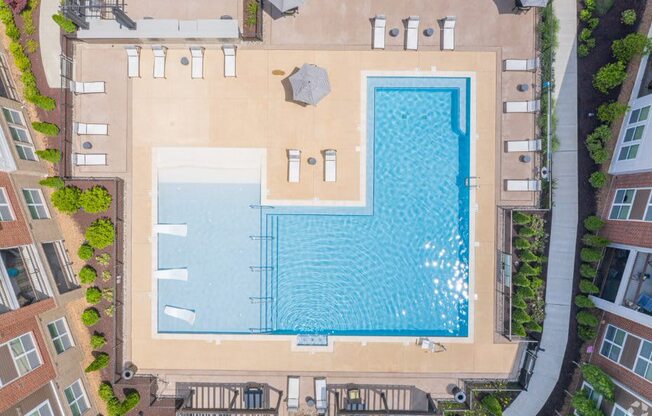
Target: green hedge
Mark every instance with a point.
(586, 333)
(100, 233)
(595, 240)
(610, 112)
(114, 406)
(598, 179)
(631, 46)
(584, 405)
(609, 77)
(492, 405)
(520, 218)
(101, 361)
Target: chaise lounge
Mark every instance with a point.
(412, 33)
(294, 165)
(380, 22)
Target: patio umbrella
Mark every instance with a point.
(285, 5)
(310, 84)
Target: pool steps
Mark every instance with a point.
(179, 230)
(172, 274)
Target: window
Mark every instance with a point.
(76, 397)
(43, 409)
(613, 342)
(20, 134)
(619, 411)
(643, 365)
(6, 214)
(60, 335)
(634, 133)
(622, 204)
(35, 204)
(592, 394)
(13, 116)
(23, 351)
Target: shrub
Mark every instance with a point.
(90, 316)
(521, 280)
(100, 233)
(6, 15)
(95, 199)
(593, 223)
(628, 17)
(109, 311)
(609, 112)
(521, 219)
(599, 156)
(101, 361)
(518, 302)
(598, 179)
(590, 255)
(525, 292)
(66, 199)
(106, 391)
(587, 287)
(592, 23)
(632, 45)
(585, 15)
(588, 270)
(106, 276)
(589, 5)
(519, 315)
(85, 252)
(52, 182)
(51, 155)
(93, 295)
(587, 318)
(49, 129)
(66, 24)
(585, 34)
(586, 333)
(528, 270)
(104, 259)
(529, 257)
(526, 232)
(31, 45)
(533, 327)
(595, 240)
(521, 243)
(131, 400)
(107, 294)
(536, 283)
(518, 329)
(492, 405)
(98, 341)
(584, 405)
(41, 101)
(28, 21)
(609, 76)
(583, 301)
(602, 133)
(583, 50)
(87, 275)
(12, 32)
(599, 380)
(113, 405)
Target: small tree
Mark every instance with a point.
(595, 240)
(586, 333)
(98, 341)
(87, 275)
(520, 218)
(85, 252)
(583, 301)
(632, 45)
(93, 295)
(588, 270)
(529, 257)
(600, 381)
(593, 223)
(598, 179)
(587, 319)
(590, 255)
(492, 405)
(628, 17)
(528, 270)
(52, 182)
(587, 287)
(66, 199)
(100, 233)
(521, 280)
(51, 155)
(95, 199)
(90, 316)
(49, 129)
(609, 77)
(521, 243)
(101, 361)
(610, 112)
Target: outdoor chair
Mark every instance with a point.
(412, 33)
(92, 128)
(448, 34)
(380, 22)
(330, 165)
(522, 106)
(294, 165)
(524, 145)
(133, 61)
(321, 396)
(229, 60)
(159, 60)
(523, 185)
(87, 87)
(521, 64)
(293, 393)
(85, 159)
(197, 65)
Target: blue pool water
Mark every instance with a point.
(397, 267)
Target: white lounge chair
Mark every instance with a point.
(133, 61)
(330, 165)
(293, 393)
(86, 159)
(523, 185)
(521, 64)
(179, 230)
(92, 128)
(524, 145)
(197, 54)
(159, 60)
(187, 315)
(87, 87)
(294, 165)
(229, 60)
(380, 22)
(522, 106)
(321, 395)
(448, 33)
(412, 33)
(172, 274)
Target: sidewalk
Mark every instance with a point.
(563, 233)
(50, 40)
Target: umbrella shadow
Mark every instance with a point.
(287, 87)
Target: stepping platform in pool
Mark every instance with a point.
(180, 230)
(172, 274)
(184, 314)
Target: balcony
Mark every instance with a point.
(377, 399)
(228, 399)
(638, 294)
(22, 282)
(60, 266)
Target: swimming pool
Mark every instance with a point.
(397, 267)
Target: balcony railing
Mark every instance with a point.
(21, 279)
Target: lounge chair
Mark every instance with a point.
(197, 54)
(523, 185)
(321, 396)
(86, 159)
(172, 274)
(133, 61)
(412, 33)
(522, 106)
(293, 393)
(159, 60)
(229, 60)
(521, 64)
(645, 302)
(179, 230)
(187, 315)
(330, 165)
(294, 165)
(87, 87)
(92, 128)
(524, 145)
(380, 22)
(448, 33)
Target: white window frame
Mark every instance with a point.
(21, 118)
(621, 205)
(43, 203)
(647, 360)
(67, 334)
(76, 401)
(24, 145)
(633, 126)
(622, 409)
(25, 353)
(37, 410)
(3, 193)
(604, 340)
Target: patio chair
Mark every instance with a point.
(197, 55)
(187, 315)
(412, 33)
(532, 106)
(172, 274)
(87, 87)
(524, 145)
(294, 165)
(229, 60)
(159, 60)
(179, 230)
(86, 159)
(380, 22)
(521, 64)
(448, 34)
(330, 165)
(92, 128)
(321, 396)
(254, 398)
(645, 302)
(293, 393)
(133, 61)
(523, 185)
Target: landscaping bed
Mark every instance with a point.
(252, 23)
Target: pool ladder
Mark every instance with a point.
(254, 206)
(254, 299)
(260, 268)
(471, 182)
(261, 237)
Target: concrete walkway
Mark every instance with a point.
(564, 222)
(49, 38)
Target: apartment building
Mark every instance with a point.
(40, 365)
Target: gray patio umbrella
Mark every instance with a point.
(310, 84)
(285, 5)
